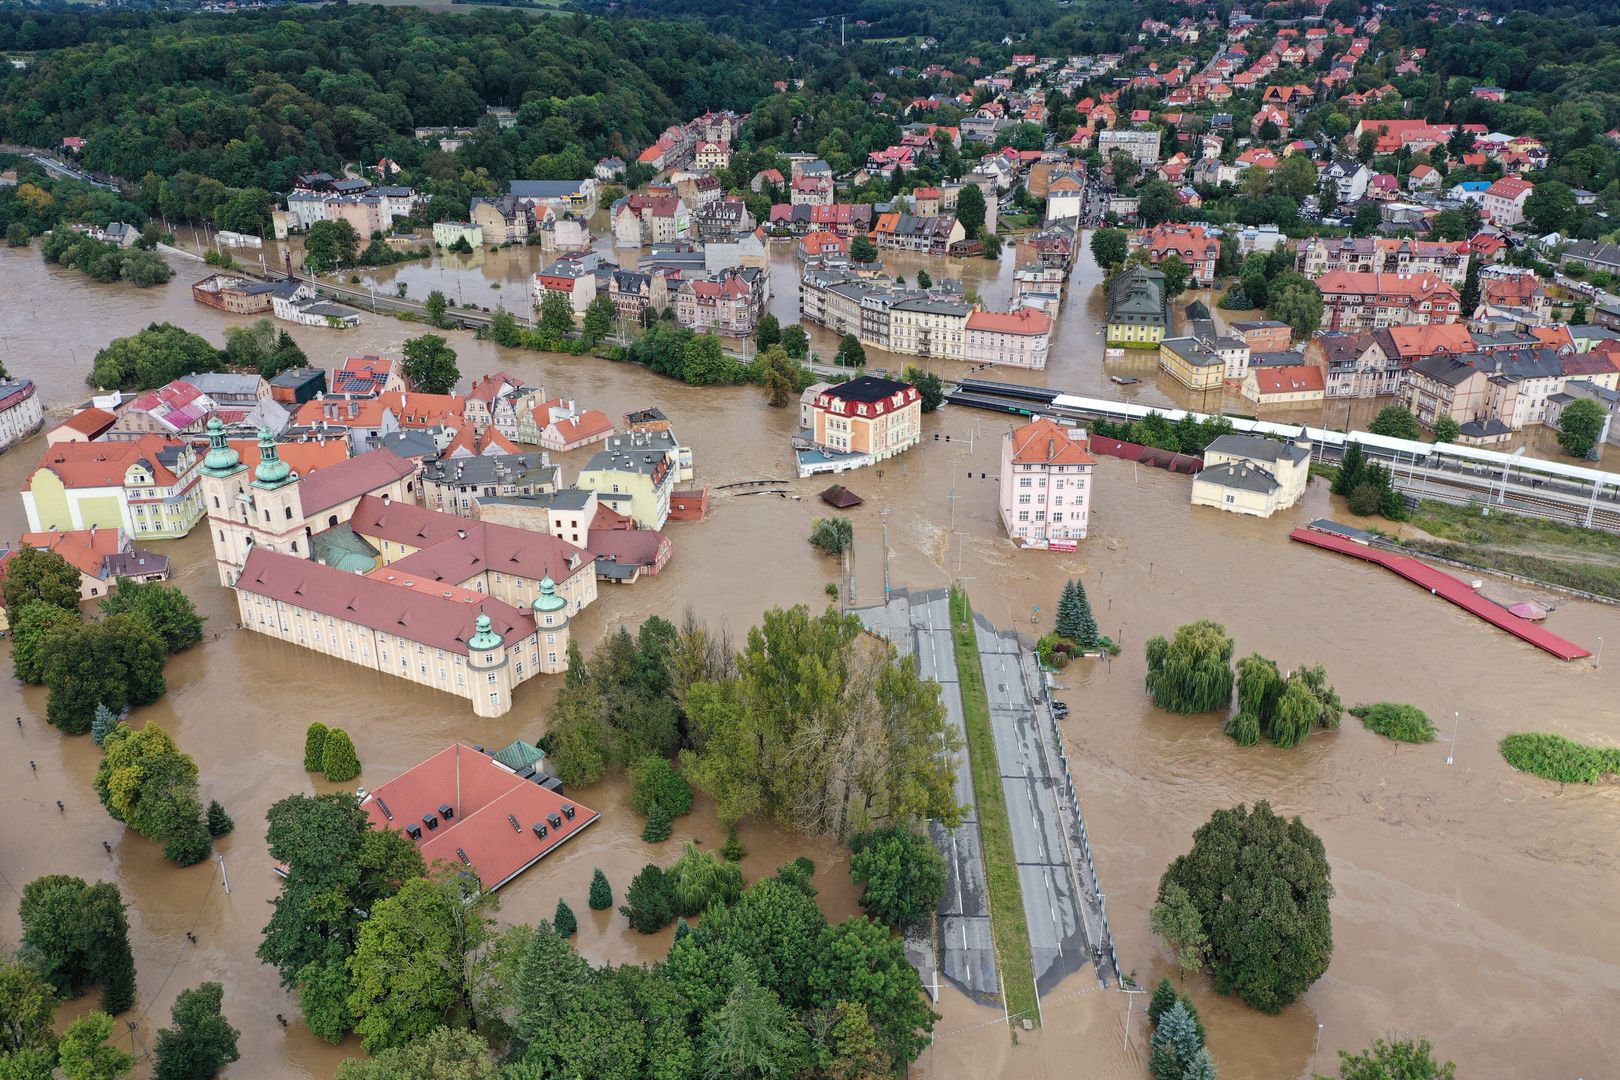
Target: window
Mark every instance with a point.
(490, 678)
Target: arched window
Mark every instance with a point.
(331, 522)
(216, 502)
(267, 513)
(289, 513)
(295, 547)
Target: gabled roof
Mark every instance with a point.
(104, 464)
(345, 480)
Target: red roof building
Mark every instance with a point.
(464, 808)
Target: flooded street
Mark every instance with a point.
(1474, 905)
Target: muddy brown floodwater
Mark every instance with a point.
(1474, 905)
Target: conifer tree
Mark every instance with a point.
(563, 921)
(1083, 625)
(219, 822)
(1201, 1067)
(658, 827)
(682, 928)
(1068, 613)
(1351, 467)
(315, 747)
(338, 759)
(601, 892)
(101, 723)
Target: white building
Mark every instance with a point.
(1046, 485)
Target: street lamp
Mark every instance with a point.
(1455, 728)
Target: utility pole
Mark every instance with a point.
(885, 554)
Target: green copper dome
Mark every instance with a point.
(485, 638)
(272, 471)
(220, 459)
(548, 600)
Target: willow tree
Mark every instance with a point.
(1192, 672)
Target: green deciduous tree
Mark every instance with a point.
(903, 873)
(146, 782)
(796, 340)
(33, 626)
(430, 364)
(832, 536)
(1192, 672)
(778, 374)
(435, 307)
(157, 355)
(768, 332)
(1579, 427)
(656, 783)
(315, 747)
(76, 934)
(970, 211)
(329, 245)
(165, 610)
(1445, 429)
(649, 902)
(1175, 919)
(1261, 885)
(556, 315)
(201, 1042)
(27, 1007)
(442, 1054)
(1396, 422)
(1400, 1059)
(600, 316)
(1109, 247)
(35, 576)
(700, 879)
(116, 662)
(338, 760)
(1176, 275)
(1295, 300)
(85, 1054)
(930, 387)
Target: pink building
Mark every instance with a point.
(1014, 338)
(1046, 485)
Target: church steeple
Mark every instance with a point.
(272, 471)
(220, 460)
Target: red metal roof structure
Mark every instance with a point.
(499, 823)
(1448, 588)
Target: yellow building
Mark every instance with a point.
(929, 327)
(148, 488)
(1137, 318)
(1245, 474)
(1192, 363)
(636, 478)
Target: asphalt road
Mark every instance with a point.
(1057, 935)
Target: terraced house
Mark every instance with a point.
(1373, 301)
(730, 302)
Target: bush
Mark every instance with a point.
(1365, 500)
(1553, 757)
(1404, 723)
(649, 902)
(338, 760)
(218, 821)
(315, 747)
(655, 784)
(733, 852)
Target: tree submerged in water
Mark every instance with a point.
(1192, 672)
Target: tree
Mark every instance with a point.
(862, 250)
(1074, 618)
(1176, 920)
(338, 760)
(1579, 427)
(659, 827)
(751, 1035)
(1295, 300)
(556, 316)
(1550, 207)
(832, 535)
(1109, 247)
(33, 626)
(971, 210)
(601, 892)
(434, 307)
(410, 969)
(1402, 1059)
(315, 747)
(1445, 429)
(1351, 465)
(246, 211)
(116, 662)
(35, 576)
(1468, 296)
(778, 374)
(903, 873)
(17, 235)
(1176, 275)
(700, 879)
(329, 245)
(649, 902)
(851, 353)
(157, 355)
(656, 784)
(84, 1053)
(1367, 143)
(1177, 1033)
(1192, 672)
(1261, 886)
(27, 1008)
(148, 784)
(201, 1043)
(930, 387)
(442, 1054)
(74, 934)
(430, 364)
(1396, 422)
(165, 610)
(768, 332)
(600, 316)
(218, 821)
(923, 280)
(564, 919)
(796, 341)
(705, 363)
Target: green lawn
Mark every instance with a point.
(1560, 555)
(1008, 927)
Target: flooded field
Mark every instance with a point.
(1474, 906)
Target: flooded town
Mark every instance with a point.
(1212, 677)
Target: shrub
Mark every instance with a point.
(315, 747)
(1553, 757)
(189, 846)
(1405, 723)
(649, 902)
(338, 759)
(1365, 500)
(832, 535)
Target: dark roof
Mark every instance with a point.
(840, 496)
(867, 388)
(1252, 446)
(1241, 475)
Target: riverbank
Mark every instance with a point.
(1532, 550)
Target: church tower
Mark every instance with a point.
(243, 513)
(551, 621)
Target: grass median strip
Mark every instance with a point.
(1009, 929)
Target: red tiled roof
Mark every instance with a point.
(422, 615)
(104, 464)
(590, 423)
(456, 549)
(303, 457)
(375, 469)
(485, 797)
(1044, 442)
(86, 549)
(1022, 321)
(1288, 379)
(90, 422)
